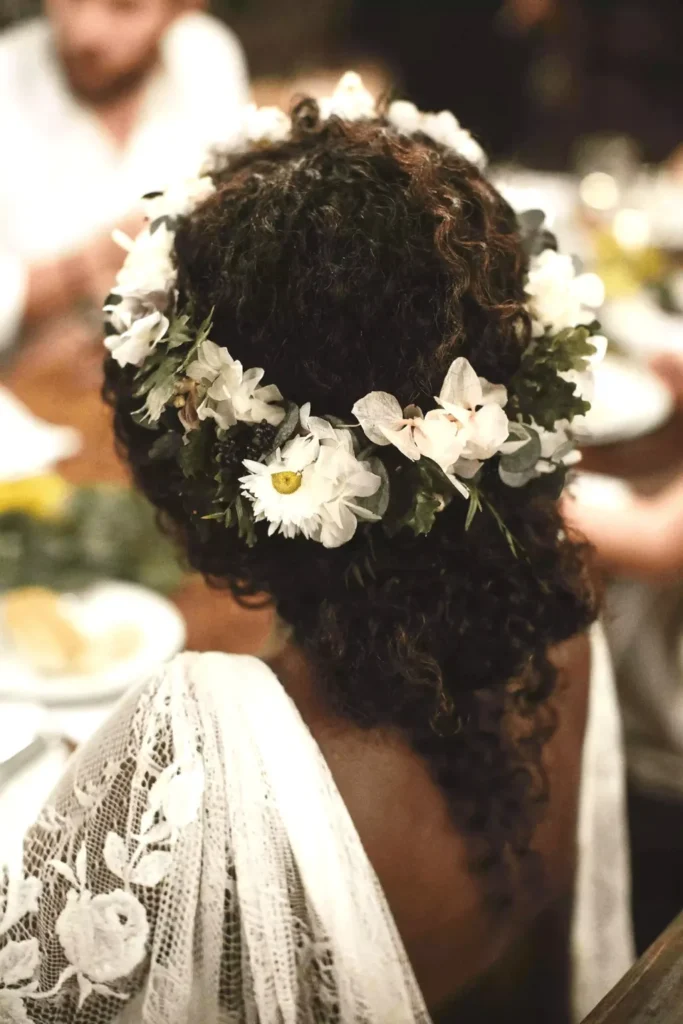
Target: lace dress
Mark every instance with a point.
(197, 865)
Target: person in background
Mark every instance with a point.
(641, 548)
(100, 100)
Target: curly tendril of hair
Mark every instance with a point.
(345, 260)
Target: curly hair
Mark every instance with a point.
(345, 260)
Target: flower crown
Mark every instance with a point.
(314, 476)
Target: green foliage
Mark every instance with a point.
(537, 392)
(107, 533)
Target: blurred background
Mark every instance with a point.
(579, 104)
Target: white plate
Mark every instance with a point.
(601, 491)
(629, 401)
(107, 605)
(36, 446)
(641, 327)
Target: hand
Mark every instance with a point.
(103, 258)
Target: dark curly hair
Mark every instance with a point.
(345, 260)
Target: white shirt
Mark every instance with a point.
(63, 179)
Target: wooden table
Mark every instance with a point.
(652, 991)
(58, 377)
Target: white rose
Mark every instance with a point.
(104, 937)
(135, 344)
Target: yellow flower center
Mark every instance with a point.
(286, 482)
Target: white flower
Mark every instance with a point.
(350, 101)
(434, 436)
(180, 198)
(469, 149)
(266, 124)
(348, 480)
(103, 937)
(443, 128)
(469, 427)
(135, 344)
(404, 117)
(287, 490)
(555, 293)
(148, 269)
(232, 394)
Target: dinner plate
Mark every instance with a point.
(36, 445)
(641, 328)
(600, 491)
(108, 605)
(629, 401)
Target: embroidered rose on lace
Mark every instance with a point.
(103, 937)
(18, 960)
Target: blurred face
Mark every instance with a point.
(108, 46)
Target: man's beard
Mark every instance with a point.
(101, 93)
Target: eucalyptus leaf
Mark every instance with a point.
(288, 427)
(377, 503)
(526, 457)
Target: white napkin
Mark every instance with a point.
(30, 446)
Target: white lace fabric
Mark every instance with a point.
(197, 864)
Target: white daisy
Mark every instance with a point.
(288, 490)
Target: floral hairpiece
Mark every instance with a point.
(316, 477)
(351, 101)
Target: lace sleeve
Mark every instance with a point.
(77, 930)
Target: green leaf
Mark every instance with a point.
(141, 419)
(245, 521)
(166, 446)
(515, 548)
(474, 507)
(288, 426)
(527, 457)
(377, 503)
(194, 454)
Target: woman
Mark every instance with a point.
(380, 823)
